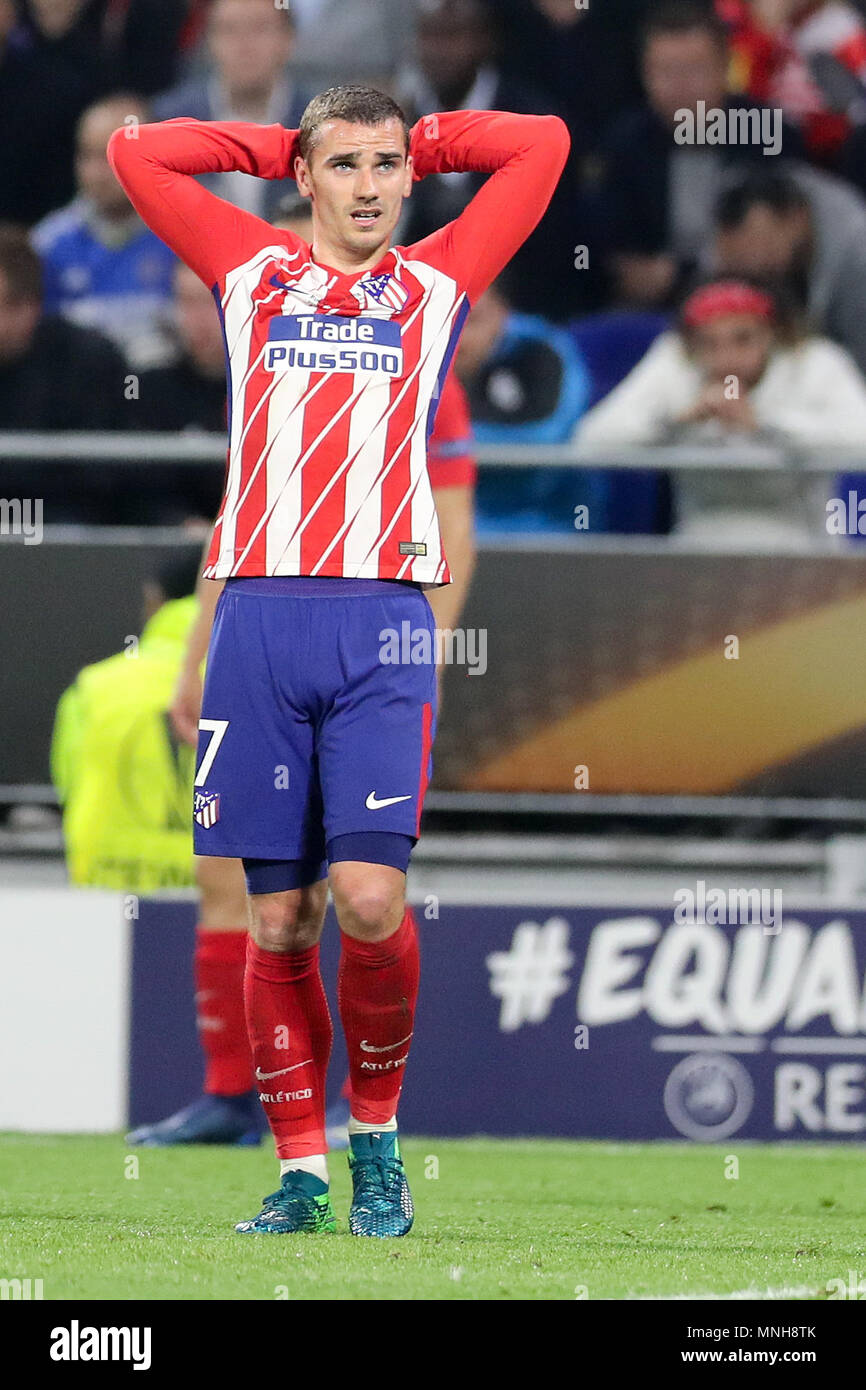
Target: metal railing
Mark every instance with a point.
(209, 449)
(202, 447)
(623, 806)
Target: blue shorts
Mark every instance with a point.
(318, 717)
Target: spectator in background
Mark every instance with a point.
(457, 64)
(103, 267)
(116, 43)
(41, 98)
(526, 384)
(192, 35)
(526, 381)
(250, 43)
(738, 368)
(293, 214)
(657, 196)
(66, 34)
(582, 57)
(807, 57)
(54, 375)
(352, 40)
(457, 67)
(190, 393)
(56, 58)
(141, 39)
(806, 229)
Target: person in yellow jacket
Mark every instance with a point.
(122, 776)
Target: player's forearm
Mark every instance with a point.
(156, 169)
(197, 643)
(207, 591)
(186, 146)
(456, 524)
(452, 142)
(448, 601)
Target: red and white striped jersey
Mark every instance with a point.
(333, 379)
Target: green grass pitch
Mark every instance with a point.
(529, 1219)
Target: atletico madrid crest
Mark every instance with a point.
(206, 808)
(384, 291)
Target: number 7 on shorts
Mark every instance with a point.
(217, 729)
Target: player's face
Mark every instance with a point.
(734, 345)
(357, 177)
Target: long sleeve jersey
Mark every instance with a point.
(333, 379)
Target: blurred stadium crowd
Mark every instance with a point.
(672, 259)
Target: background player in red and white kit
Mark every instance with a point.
(315, 751)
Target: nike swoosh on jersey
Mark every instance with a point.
(368, 1047)
(266, 1075)
(373, 805)
(277, 282)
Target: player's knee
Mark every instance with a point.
(370, 909)
(277, 930)
(286, 921)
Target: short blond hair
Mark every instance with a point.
(360, 105)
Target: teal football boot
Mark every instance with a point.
(302, 1204)
(381, 1202)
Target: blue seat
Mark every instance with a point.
(611, 344)
(638, 500)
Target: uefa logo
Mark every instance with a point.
(708, 1096)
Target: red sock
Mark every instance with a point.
(290, 1032)
(219, 999)
(377, 989)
